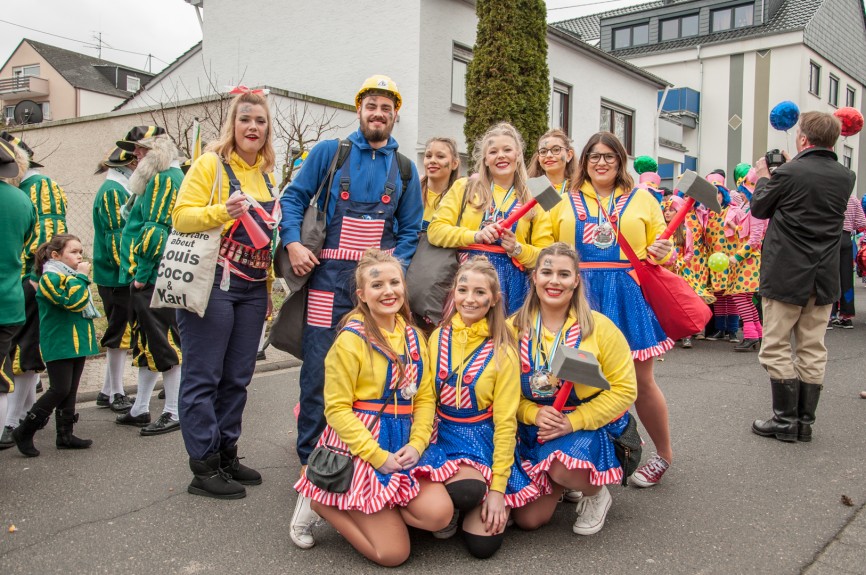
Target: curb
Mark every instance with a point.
(260, 369)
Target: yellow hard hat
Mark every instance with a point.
(379, 83)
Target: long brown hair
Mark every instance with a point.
(536, 169)
(56, 244)
(452, 177)
(225, 144)
(624, 181)
(372, 257)
(478, 190)
(524, 318)
(499, 332)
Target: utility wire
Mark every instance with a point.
(588, 4)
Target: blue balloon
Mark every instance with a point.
(784, 115)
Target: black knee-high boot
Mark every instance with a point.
(35, 420)
(784, 424)
(65, 421)
(808, 402)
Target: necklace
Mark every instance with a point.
(542, 382)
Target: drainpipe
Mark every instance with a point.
(200, 21)
(658, 115)
(700, 112)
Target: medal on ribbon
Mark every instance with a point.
(542, 382)
(605, 233)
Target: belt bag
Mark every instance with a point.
(186, 271)
(628, 449)
(331, 468)
(680, 311)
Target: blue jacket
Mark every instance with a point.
(367, 167)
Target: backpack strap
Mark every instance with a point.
(405, 165)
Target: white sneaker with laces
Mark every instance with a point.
(572, 495)
(301, 526)
(451, 529)
(591, 512)
(650, 473)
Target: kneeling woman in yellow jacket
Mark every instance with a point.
(572, 449)
(468, 216)
(478, 387)
(380, 357)
(220, 348)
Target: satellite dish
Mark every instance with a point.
(27, 112)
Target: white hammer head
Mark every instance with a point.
(694, 186)
(543, 192)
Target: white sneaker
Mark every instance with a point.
(572, 495)
(451, 529)
(591, 512)
(301, 526)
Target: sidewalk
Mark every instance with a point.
(94, 373)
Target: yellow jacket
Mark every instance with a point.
(609, 346)
(497, 385)
(351, 375)
(444, 232)
(642, 221)
(192, 212)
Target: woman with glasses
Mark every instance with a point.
(555, 159)
(602, 208)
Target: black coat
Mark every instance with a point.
(805, 200)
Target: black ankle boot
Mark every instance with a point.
(229, 463)
(783, 426)
(211, 481)
(35, 420)
(749, 344)
(808, 402)
(65, 421)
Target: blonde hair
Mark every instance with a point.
(225, 144)
(479, 193)
(499, 333)
(372, 257)
(523, 319)
(535, 169)
(452, 177)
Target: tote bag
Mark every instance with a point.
(186, 272)
(680, 311)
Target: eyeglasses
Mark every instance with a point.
(555, 150)
(608, 158)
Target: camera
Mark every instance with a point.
(774, 158)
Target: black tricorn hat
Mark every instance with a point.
(8, 165)
(20, 143)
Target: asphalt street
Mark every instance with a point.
(732, 502)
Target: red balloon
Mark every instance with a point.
(851, 118)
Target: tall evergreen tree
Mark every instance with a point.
(507, 79)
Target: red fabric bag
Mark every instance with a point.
(680, 311)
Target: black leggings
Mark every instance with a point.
(63, 378)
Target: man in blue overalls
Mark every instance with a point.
(367, 208)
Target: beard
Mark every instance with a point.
(376, 134)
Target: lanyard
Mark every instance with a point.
(497, 212)
(602, 213)
(539, 351)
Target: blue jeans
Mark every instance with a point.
(219, 360)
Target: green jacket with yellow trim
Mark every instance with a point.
(107, 230)
(147, 228)
(17, 232)
(50, 202)
(64, 332)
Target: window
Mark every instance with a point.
(636, 35)
(849, 97)
(833, 98)
(561, 106)
(133, 84)
(22, 71)
(620, 122)
(459, 63)
(847, 154)
(732, 17)
(46, 110)
(814, 78)
(8, 112)
(681, 27)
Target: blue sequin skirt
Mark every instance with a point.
(614, 293)
(471, 443)
(584, 449)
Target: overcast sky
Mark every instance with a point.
(164, 28)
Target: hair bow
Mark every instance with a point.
(241, 89)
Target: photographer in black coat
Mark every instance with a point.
(805, 200)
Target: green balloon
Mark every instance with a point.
(718, 262)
